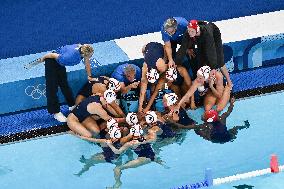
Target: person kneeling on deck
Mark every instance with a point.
(129, 76)
(55, 74)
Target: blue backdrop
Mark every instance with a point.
(30, 26)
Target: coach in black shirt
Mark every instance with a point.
(202, 43)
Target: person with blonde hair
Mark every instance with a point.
(55, 74)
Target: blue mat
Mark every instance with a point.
(256, 78)
(27, 121)
(22, 122)
(29, 26)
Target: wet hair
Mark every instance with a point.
(86, 50)
(170, 23)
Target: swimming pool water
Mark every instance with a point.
(52, 162)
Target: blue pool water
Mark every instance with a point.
(52, 162)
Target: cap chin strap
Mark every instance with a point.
(210, 120)
(197, 29)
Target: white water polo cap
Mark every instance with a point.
(111, 123)
(115, 133)
(113, 84)
(171, 74)
(171, 99)
(151, 117)
(109, 96)
(132, 118)
(152, 75)
(136, 130)
(205, 72)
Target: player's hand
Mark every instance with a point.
(171, 64)
(232, 100)
(211, 81)
(175, 110)
(191, 53)
(141, 114)
(40, 60)
(90, 78)
(135, 84)
(193, 106)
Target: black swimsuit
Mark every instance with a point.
(219, 133)
(153, 51)
(184, 119)
(107, 151)
(81, 112)
(145, 150)
(167, 130)
(86, 90)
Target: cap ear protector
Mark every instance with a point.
(132, 118)
(152, 75)
(171, 74)
(109, 96)
(202, 89)
(205, 72)
(151, 117)
(115, 133)
(113, 84)
(171, 99)
(111, 123)
(136, 130)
